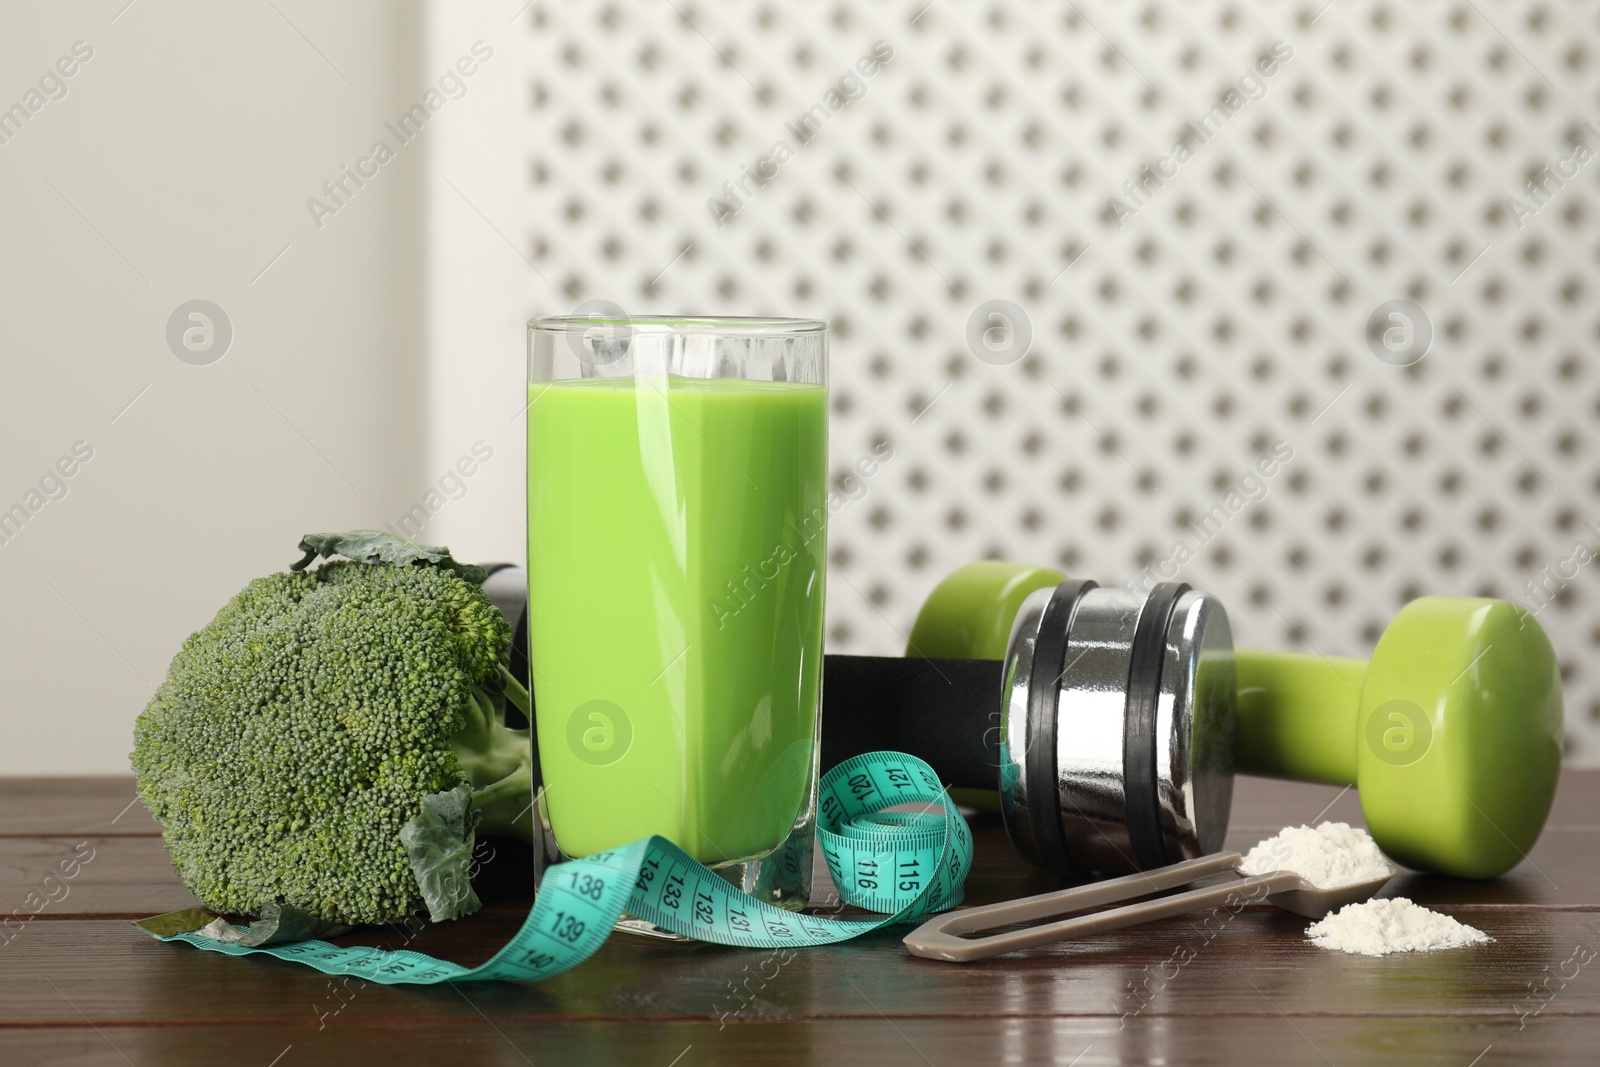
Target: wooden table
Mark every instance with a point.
(79, 985)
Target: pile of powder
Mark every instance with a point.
(1336, 854)
(1379, 927)
(1332, 855)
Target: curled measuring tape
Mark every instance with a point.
(907, 865)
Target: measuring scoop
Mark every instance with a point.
(948, 936)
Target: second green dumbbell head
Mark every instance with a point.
(1451, 732)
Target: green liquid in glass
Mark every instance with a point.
(676, 547)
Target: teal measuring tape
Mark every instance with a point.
(907, 865)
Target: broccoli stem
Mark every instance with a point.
(515, 693)
(498, 763)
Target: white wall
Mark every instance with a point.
(178, 166)
(482, 284)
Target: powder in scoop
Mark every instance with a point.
(1379, 927)
(1332, 855)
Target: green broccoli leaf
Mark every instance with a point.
(186, 921)
(439, 841)
(279, 924)
(376, 546)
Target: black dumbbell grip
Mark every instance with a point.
(946, 712)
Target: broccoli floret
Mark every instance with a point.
(298, 732)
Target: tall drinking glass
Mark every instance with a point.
(677, 513)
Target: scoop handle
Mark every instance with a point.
(941, 938)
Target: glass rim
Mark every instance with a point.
(713, 325)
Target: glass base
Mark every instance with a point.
(632, 924)
(781, 878)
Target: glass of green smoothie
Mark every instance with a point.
(677, 514)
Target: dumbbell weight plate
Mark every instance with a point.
(1143, 731)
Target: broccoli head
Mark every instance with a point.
(320, 715)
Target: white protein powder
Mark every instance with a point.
(1333, 854)
(1379, 927)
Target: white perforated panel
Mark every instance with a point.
(1183, 326)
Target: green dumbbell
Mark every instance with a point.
(1451, 732)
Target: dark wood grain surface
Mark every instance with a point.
(80, 985)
